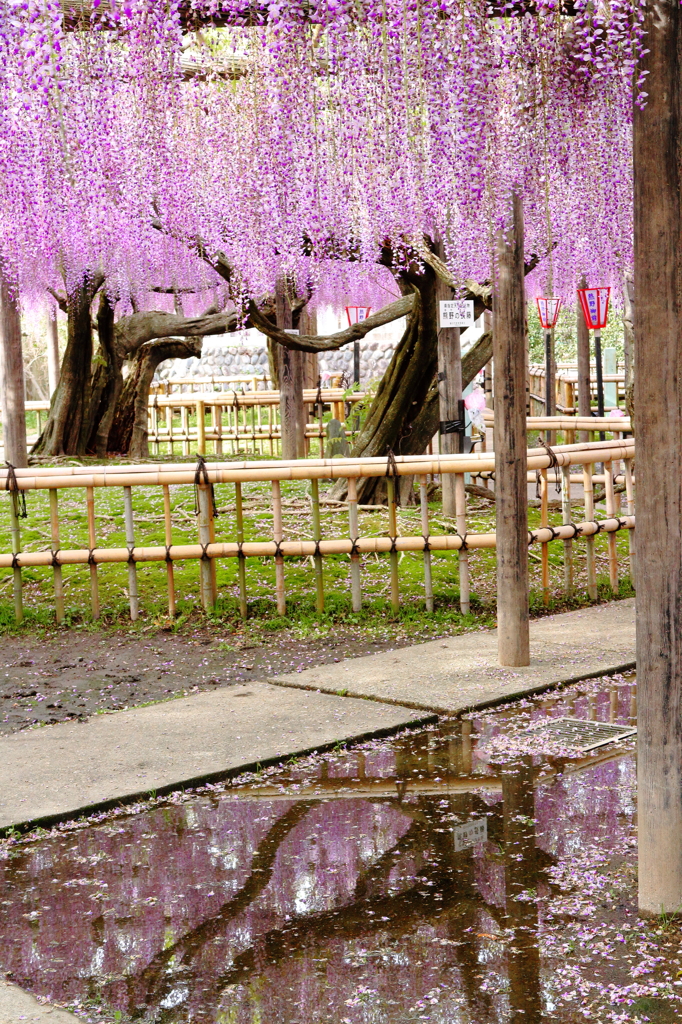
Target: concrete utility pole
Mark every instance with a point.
(290, 367)
(511, 487)
(52, 354)
(658, 406)
(583, 339)
(12, 378)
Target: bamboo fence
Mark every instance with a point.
(566, 395)
(547, 466)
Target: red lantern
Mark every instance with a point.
(356, 314)
(595, 306)
(548, 311)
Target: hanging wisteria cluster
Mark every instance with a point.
(296, 137)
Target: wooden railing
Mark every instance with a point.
(608, 463)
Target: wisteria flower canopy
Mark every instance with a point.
(298, 137)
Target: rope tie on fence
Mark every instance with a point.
(205, 557)
(577, 530)
(393, 545)
(12, 485)
(15, 561)
(240, 549)
(427, 541)
(391, 465)
(55, 561)
(354, 550)
(599, 523)
(278, 549)
(91, 557)
(169, 558)
(318, 553)
(553, 463)
(131, 555)
(463, 545)
(201, 477)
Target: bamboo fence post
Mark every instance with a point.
(317, 536)
(169, 428)
(201, 426)
(241, 558)
(56, 568)
(630, 496)
(393, 533)
(354, 532)
(184, 421)
(566, 520)
(170, 572)
(130, 544)
(205, 517)
(589, 541)
(218, 413)
(424, 505)
(511, 487)
(544, 547)
(15, 533)
(462, 555)
(612, 537)
(584, 382)
(94, 585)
(278, 536)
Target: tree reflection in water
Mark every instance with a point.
(329, 893)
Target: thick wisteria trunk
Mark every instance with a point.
(68, 426)
(129, 430)
(107, 382)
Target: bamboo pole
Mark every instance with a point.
(393, 534)
(170, 574)
(15, 535)
(56, 568)
(584, 382)
(241, 566)
(201, 426)
(610, 513)
(278, 535)
(462, 557)
(630, 496)
(566, 519)
(424, 507)
(130, 543)
(94, 585)
(184, 426)
(509, 345)
(205, 516)
(354, 531)
(544, 521)
(589, 548)
(317, 536)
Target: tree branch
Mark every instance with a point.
(133, 331)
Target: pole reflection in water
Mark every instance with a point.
(330, 891)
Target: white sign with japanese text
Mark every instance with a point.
(471, 833)
(456, 313)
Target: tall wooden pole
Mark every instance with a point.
(511, 498)
(52, 354)
(449, 389)
(658, 406)
(584, 384)
(12, 377)
(290, 370)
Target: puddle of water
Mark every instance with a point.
(333, 890)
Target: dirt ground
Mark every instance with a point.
(52, 679)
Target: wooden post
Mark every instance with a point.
(354, 532)
(290, 370)
(57, 569)
(449, 389)
(168, 527)
(424, 507)
(658, 403)
(509, 354)
(278, 536)
(53, 354)
(133, 599)
(201, 427)
(317, 536)
(241, 561)
(584, 384)
(94, 585)
(12, 393)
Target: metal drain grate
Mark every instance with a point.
(581, 734)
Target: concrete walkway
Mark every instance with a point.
(17, 1005)
(461, 672)
(70, 768)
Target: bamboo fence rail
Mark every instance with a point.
(566, 395)
(553, 466)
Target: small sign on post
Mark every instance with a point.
(356, 314)
(471, 833)
(456, 313)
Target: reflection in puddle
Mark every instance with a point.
(332, 891)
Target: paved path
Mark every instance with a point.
(62, 770)
(17, 1006)
(461, 672)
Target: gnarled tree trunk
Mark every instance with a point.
(68, 426)
(129, 432)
